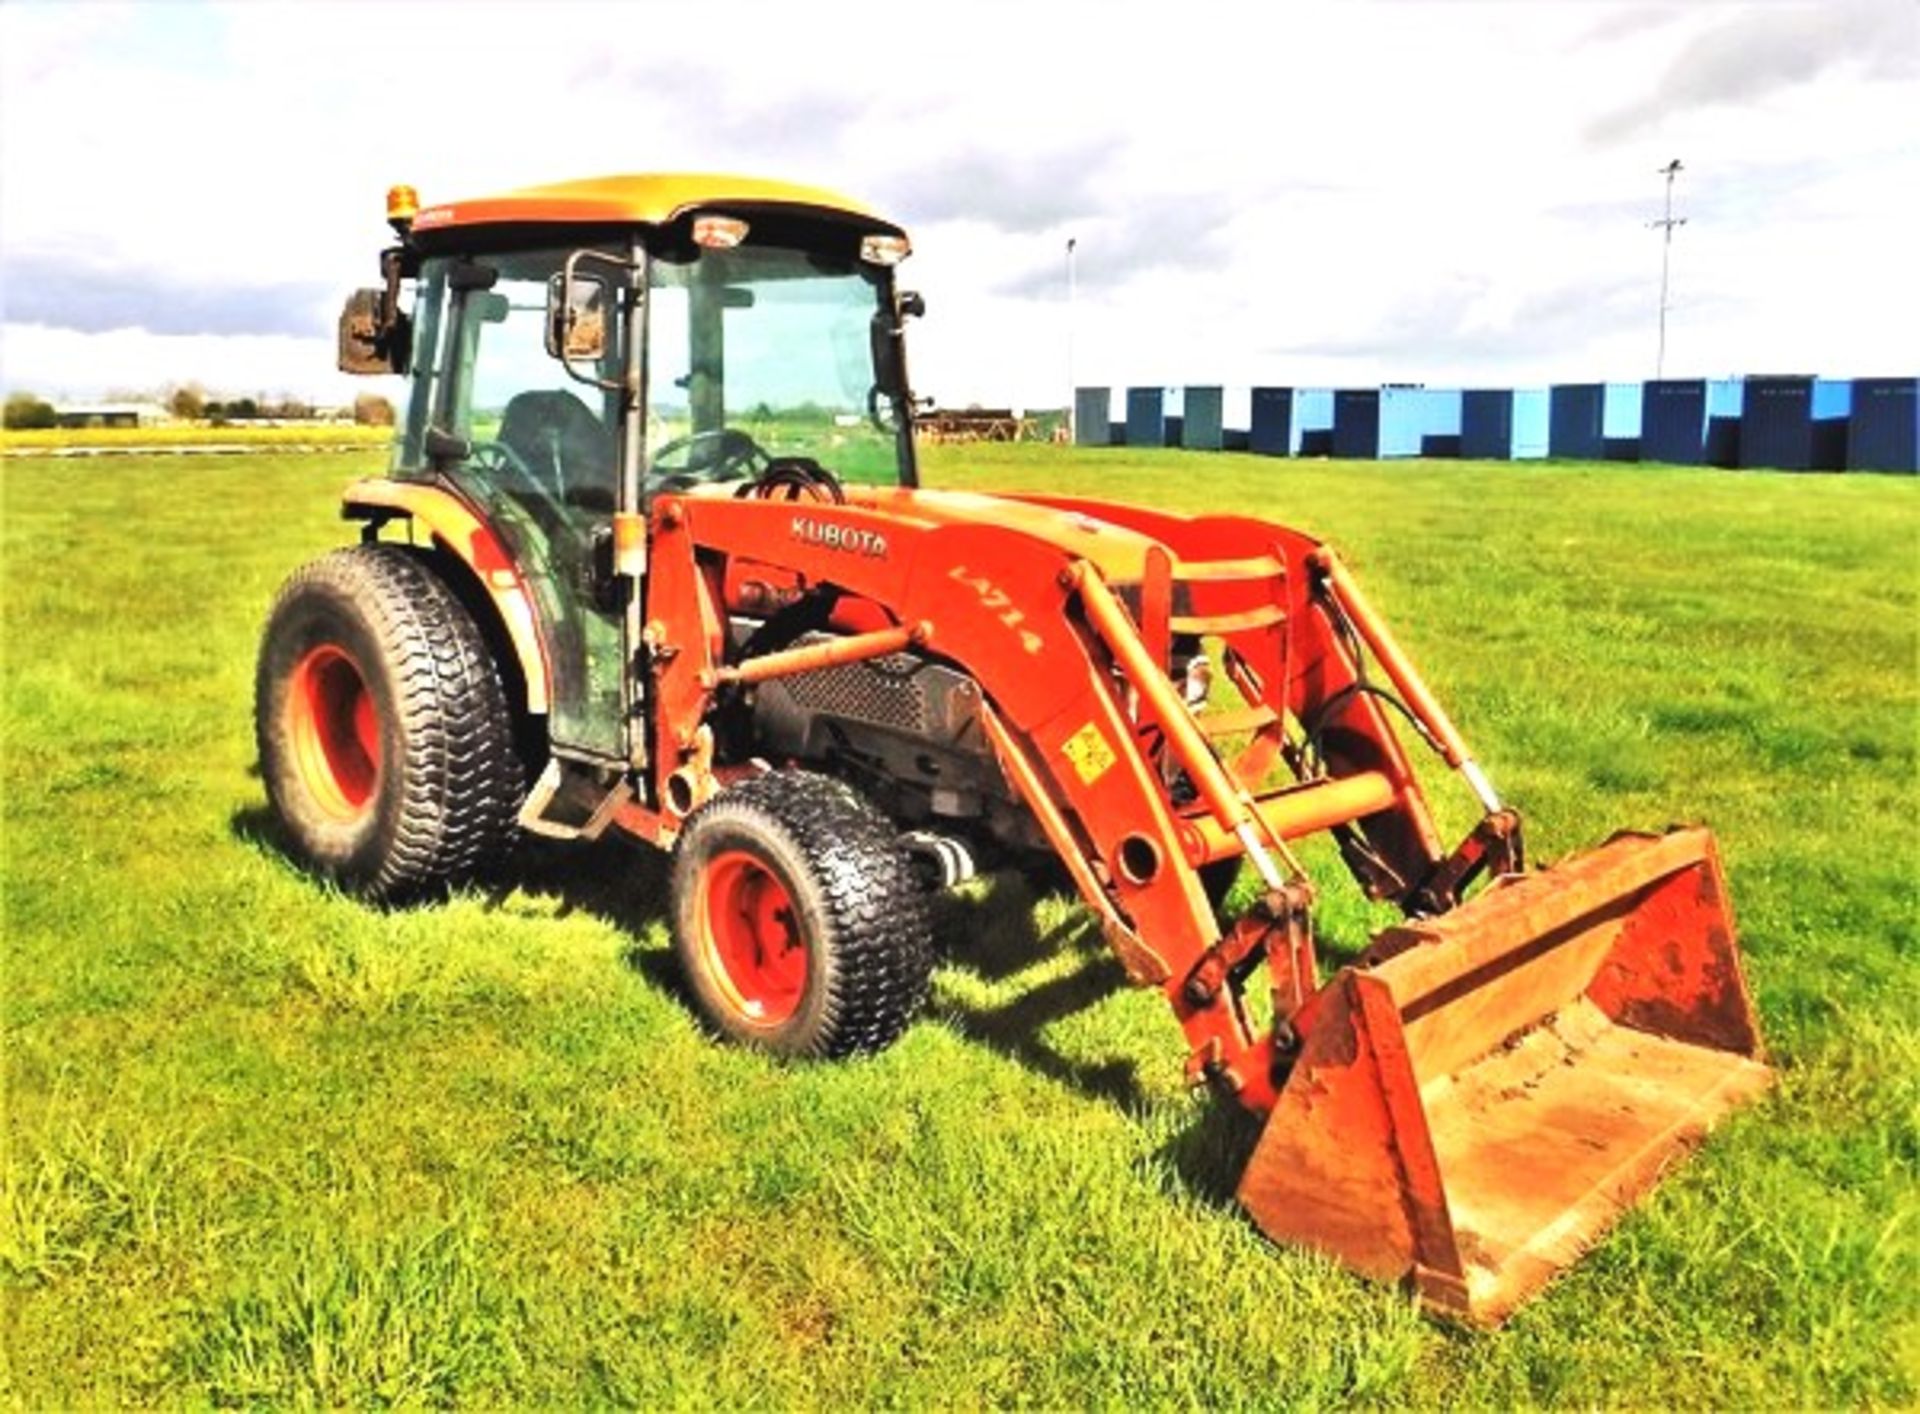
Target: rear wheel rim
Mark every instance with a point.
(334, 730)
(750, 932)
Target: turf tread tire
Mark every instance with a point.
(451, 781)
(866, 918)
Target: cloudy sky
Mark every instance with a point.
(1297, 194)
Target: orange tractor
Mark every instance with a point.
(653, 557)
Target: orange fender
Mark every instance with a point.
(455, 528)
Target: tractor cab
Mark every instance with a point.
(575, 350)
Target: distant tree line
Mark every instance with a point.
(189, 402)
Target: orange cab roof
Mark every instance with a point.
(651, 199)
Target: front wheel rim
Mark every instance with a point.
(334, 729)
(750, 932)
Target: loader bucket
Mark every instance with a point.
(1474, 1103)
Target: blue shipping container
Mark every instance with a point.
(1201, 425)
(1776, 423)
(1313, 422)
(1271, 432)
(1673, 421)
(1356, 423)
(1883, 432)
(1146, 417)
(1092, 414)
(1486, 423)
(1575, 421)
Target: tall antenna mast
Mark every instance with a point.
(1073, 396)
(1665, 226)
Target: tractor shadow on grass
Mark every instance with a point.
(991, 933)
(987, 935)
(999, 929)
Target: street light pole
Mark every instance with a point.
(1665, 225)
(1073, 397)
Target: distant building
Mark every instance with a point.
(110, 415)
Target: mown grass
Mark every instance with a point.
(265, 1145)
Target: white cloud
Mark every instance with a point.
(1301, 193)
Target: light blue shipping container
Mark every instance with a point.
(1832, 397)
(1832, 423)
(1532, 423)
(1313, 422)
(1726, 405)
(1416, 422)
(1620, 411)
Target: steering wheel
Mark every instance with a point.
(495, 457)
(718, 454)
(794, 479)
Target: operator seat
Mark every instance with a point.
(568, 452)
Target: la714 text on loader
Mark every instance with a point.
(653, 557)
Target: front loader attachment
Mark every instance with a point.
(1479, 1097)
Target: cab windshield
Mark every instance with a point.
(760, 353)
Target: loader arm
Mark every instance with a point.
(1080, 710)
(1470, 1103)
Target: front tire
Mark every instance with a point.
(798, 923)
(386, 741)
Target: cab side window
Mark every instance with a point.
(551, 441)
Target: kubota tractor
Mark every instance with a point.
(653, 557)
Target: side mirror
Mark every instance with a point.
(577, 316)
(578, 308)
(370, 342)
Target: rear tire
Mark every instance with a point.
(386, 741)
(798, 923)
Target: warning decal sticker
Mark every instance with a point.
(1089, 753)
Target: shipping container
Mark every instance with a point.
(1620, 422)
(1146, 417)
(1532, 423)
(1313, 422)
(1726, 400)
(1673, 421)
(1356, 423)
(1776, 423)
(1419, 422)
(1203, 423)
(1832, 412)
(1883, 432)
(1092, 416)
(1575, 421)
(1271, 414)
(1486, 424)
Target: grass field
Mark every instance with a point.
(264, 1144)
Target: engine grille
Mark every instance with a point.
(887, 692)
